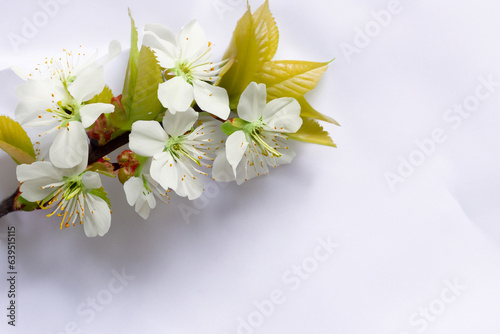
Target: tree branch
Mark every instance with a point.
(97, 152)
(7, 204)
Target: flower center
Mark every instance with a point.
(73, 186)
(70, 204)
(67, 111)
(254, 130)
(176, 149)
(183, 69)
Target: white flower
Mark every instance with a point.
(174, 153)
(56, 99)
(73, 192)
(262, 140)
(140, 192)
(189, 73)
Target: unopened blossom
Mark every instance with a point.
(177, 151)
(260, 140)
(188, 72)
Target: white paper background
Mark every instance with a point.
(398, 251)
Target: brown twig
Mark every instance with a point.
(7, 205)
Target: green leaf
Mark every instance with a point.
(116, 121)
(254, 42)
(132, 69)
(307, 111)
(231, 126)
(103, 97)
(15, 141)
(312, 132)
(101, 193)
(103, 167)
(289, 78)
(144, 104)
(140, 91)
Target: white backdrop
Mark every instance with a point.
(397, 231)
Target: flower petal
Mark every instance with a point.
(178, 124)
(133, 188)
(20, 72)
(42, 89)
(91, 180)
(252, 102)
(222, 170)
(175, 94)
(282, 115)
(114, 50)
(35, 177)
(97, 217)
(90, 112)
(189, 181)
(70, 146)
(161, 31)
(192, 41)
(88, 84)
(164, 59)
(32, 111)
(211, 98)
(144, 204)
(162, 41)
(147, 138)
(236, 146)
(150, 199)
(164, 170)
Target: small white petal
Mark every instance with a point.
(236, 146)
(87, 84)
(165, 50)
(222, 170)
(70, 146)
(42, 89)
(252, 102)
(144, 205)
(178, 124)
(29, 110)
(91, 180)
(89, 62)
(282, 115)
(133, 189)
(147, 138)
(286, 157)
(189, 181)
(175, 94)
(114, 49)
(97, 218)
(35, 177)
(192, 41)
(165, 59)
(163, 170)
(21, 72)
(255, 165)
(90, 112)
(161, 31)
(212, 99)
(150, 199)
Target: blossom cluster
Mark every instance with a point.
(201, 131)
